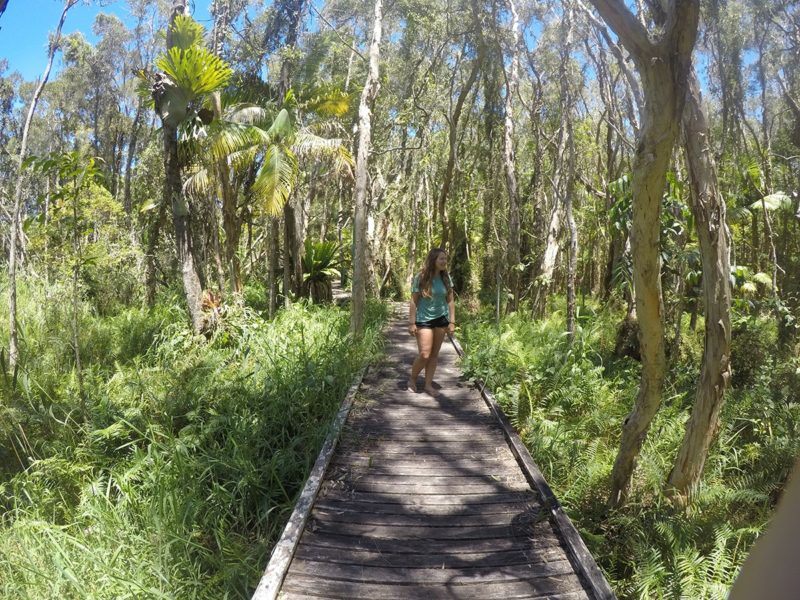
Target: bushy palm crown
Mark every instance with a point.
(187, 72)
(250, 134)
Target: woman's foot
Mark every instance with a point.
(431, 391)
(411, 386)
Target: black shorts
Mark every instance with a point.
(433, 323)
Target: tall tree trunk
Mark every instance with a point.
(272, 268)
(153, 233)
(664, 68)
(132, 143)
(173, 194)
(708, 208)
(512, 85)
(16, 211)
(368, 95)
(447, 179)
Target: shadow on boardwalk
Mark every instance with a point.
(424, 500)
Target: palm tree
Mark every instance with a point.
(266, 144)
(187, 74)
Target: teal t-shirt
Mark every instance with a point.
(435, 306)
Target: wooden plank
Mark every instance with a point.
(467, 463)
(445, 560)
(405, 520)
(424, 500)
(420, 434)
(426, 575)
(581, 595)
(377, 508)
(423, 532)
(282, 553)
(584, 562)
(407, 488)
(341, 467)
(544, 537)
(546, 587)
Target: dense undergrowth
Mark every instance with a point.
(568, 402)
(174, 472)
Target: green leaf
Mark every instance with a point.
(773, 202)
(186, 32)
(275, 179)
(195, 70)
(281, 127)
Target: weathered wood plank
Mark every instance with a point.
(453, 546)
(546, 552)
(423, 532)
(535, 588)
(407, 487)
(405, 520)
(500, 508)
(333, 493)
(427, 576)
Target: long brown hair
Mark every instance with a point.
(429, 271)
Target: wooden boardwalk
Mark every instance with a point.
(423, 499)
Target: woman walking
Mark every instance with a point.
(431, 314)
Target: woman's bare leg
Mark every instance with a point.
(430, 367)
(424, 344)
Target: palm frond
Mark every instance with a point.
(275, 178)
(307, 145)
(249, 114)
(773, 202)
(199, 182)
(282, 127)
(186, 32)
(195, 70)
(739, 213)
(225, 138)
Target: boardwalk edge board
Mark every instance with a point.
(274, 574)
(583, 562)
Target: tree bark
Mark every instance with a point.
(663, 66)
(509, 162)
(13, 349)
(447, 179)
(368, 95)
(708, 208)
(173, 194)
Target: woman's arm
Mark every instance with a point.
(451, 307)
(412, 313)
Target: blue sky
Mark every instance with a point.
(26, 24)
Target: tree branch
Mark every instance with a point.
(629, 31)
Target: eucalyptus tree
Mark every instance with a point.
(708, 208)
(663, 59)
(563, 171)
(509, 156)
(368, 95)
(453, 115)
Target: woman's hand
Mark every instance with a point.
(451, 328)
(412, 329)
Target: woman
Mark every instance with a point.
(431, 313)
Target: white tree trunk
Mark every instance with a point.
(708, 208)
(512, 85)
(360, 241)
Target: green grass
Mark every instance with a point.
(569, 403)
(179, 475)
